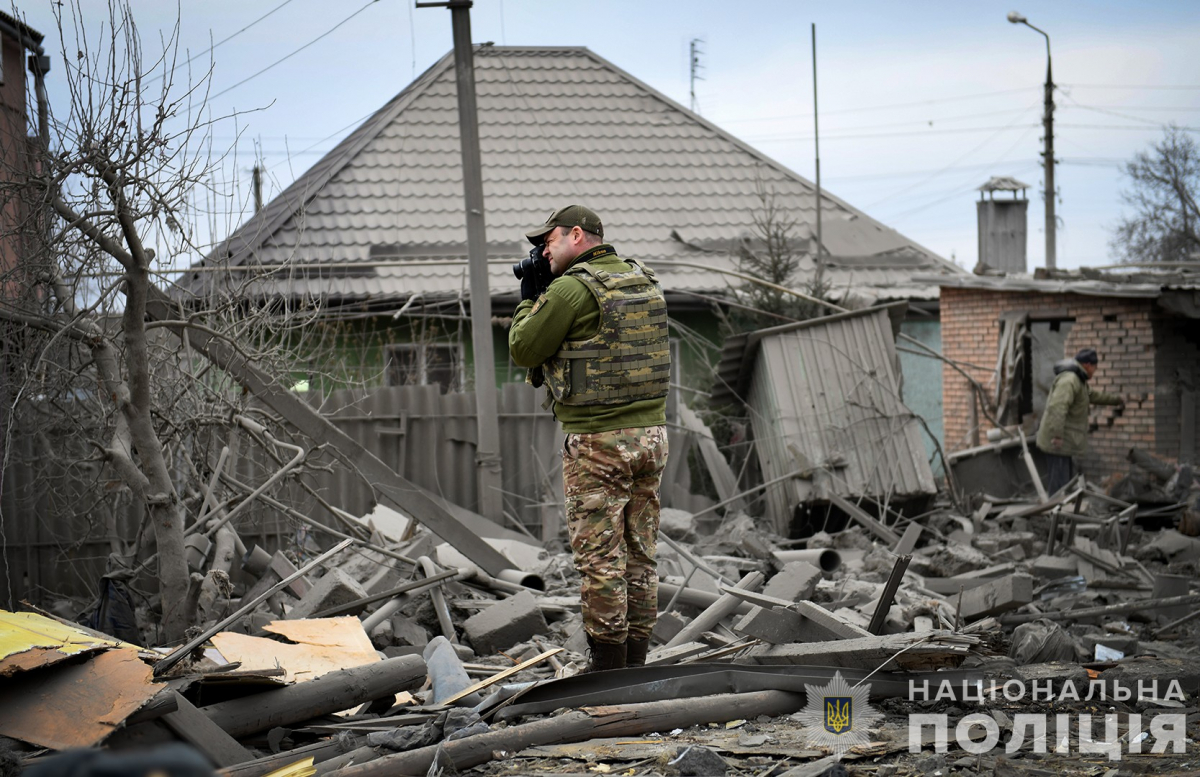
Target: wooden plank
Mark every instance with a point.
(194, 727)
(479, 686)
(863, 517)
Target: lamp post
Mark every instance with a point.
(1048, 145)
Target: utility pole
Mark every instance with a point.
(1047, 146)
(487, 449)
(1048, 163)
(818, 256)
(256, 185)
(694, 64)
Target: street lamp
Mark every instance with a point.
(1048, 145)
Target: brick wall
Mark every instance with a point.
(1126, 332)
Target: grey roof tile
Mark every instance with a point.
(644, 162)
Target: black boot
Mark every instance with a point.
(635, 651)
(604, 655)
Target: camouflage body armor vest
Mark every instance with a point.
(629, 357)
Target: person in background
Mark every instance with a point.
(1063, 431)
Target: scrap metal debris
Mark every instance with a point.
(405, 664)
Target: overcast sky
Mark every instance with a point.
(920, 102)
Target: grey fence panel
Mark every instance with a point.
(52, 546)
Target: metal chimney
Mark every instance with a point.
(1002, 226)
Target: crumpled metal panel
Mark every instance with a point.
(76, 704)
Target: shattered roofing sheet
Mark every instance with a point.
(29, 640)
(667, 183)
(76, 704)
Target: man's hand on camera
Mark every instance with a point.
(529, 289)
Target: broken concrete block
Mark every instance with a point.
(677, 524)
(334, 589)
(777, 627)
(697, 760)
(1052, 567)
(795, 582)
(505, 623)
(954, 559)
(997, 596)
(408, 632)
(1126, 644)
(823, 626)
(667, 626)
(382, 635)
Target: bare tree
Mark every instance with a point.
(115, 401)
(1163, 186)
(773, 252)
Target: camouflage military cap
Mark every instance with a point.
(570, 216)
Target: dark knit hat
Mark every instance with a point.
(1087, 356)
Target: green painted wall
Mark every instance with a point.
(922, 391)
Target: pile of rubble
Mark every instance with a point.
(395, 655)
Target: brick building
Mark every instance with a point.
(1007, 332)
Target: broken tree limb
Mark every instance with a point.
(725, 605)
(331, 692)
(176, 655)
(1111, 609)
(443, 518)
(576, 726)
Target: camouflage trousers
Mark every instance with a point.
(611, 482)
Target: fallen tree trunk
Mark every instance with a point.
(575, 726)
(329, 693)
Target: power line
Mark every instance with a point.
(226, 39)
(922, 133)
(294, 53)
(1130, 86)
(892, 106)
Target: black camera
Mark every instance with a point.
(537, 266)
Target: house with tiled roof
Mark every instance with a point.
(375, 231)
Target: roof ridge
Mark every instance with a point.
(776, 164)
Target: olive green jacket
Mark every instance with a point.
(569, 311)
(1066, 415)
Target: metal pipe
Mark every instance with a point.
(825, 558)
(439, 600)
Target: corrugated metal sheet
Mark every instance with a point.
(650, 168)
(824, 397)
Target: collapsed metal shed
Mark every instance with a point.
(823, 397)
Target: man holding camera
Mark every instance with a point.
(593, 326)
